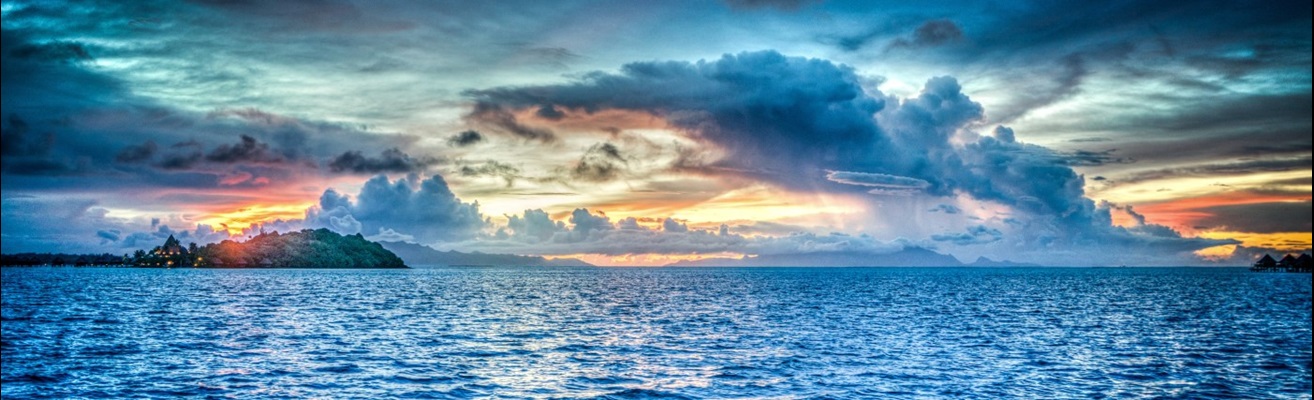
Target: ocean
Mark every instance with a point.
(656, 333)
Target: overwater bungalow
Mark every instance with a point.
(1289, 263)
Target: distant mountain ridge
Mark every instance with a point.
(986, 262)
(417, 254)
(909, 257)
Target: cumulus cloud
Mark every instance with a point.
(534, 232)
(670, 225)
(766, 111)
(425, 209)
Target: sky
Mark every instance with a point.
(644, 133)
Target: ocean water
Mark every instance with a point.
(653, 332)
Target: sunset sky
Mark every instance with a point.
(642, 133)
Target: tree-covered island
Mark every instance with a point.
(318, 248)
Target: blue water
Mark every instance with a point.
(640, 333)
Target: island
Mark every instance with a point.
(317, 248)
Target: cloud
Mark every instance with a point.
(883, 183)
(58, 51)
(26, 153)
(425, 209)
(930, 34)
(978, 234)
(1245, 167)
(465, 138)
(389, 235)
(1084, 158)
(946, 208)
(84, 226)
(600, 163)
(17, 140)
(765, 111)
(500, 119)
(247, 149)
(534, 232)
(390, 160)
(111, 235)
(492, 168)
(784, 5)
(137, 154)
(1261, 217)
(670, 225)
(1057, 86)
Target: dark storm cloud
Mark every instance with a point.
(182, 155)
(28, 153)
(768, 111)
(1049, 50)
(54, 51)
(1223, 169)
(930, 34)
(18, 140)
(1084, 158)
(308, 15)
(1261, 217)
(785, 5)
(465, 138)
(247, 149)
(137, 154)
(390, 160)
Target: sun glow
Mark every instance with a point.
(235, 221)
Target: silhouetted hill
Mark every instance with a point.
(318, 248)
(909, 257)
(416, 254)
(986, 262)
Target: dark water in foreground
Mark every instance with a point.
(638, 333)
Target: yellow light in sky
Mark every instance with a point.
(759, 203)
(1176, 188)
(1286, 241)
(235, 221)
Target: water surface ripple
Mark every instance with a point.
(645, 333)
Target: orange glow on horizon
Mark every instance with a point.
(235, 221)
(642, 260)
(1183, 214)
